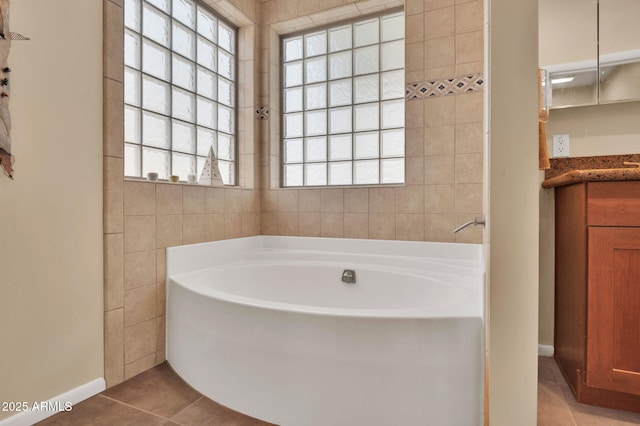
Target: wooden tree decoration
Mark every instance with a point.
(210, 172)
(6, 159)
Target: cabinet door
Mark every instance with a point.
(613, 319)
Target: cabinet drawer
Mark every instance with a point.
(613, 203)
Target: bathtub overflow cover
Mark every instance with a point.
(349, 276)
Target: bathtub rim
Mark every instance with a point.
(192, 257)
(471, 304)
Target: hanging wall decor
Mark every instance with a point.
(6, 36)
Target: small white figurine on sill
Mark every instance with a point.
(210, 172)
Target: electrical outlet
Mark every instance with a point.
(560, 145)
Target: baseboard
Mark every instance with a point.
(39, 411)
(545, 350)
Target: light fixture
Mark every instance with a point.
(562, 80)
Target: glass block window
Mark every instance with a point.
(343, 104)
(180, 89)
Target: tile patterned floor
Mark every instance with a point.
(155, 397)
(159, 397)
(558, 407)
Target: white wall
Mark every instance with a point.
(513, 209)
(51, 216)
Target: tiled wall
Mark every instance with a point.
(444, 168)
(142, 218)
(444, 135)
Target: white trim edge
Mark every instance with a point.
(543, 350)
(73, 396)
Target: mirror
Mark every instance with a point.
(619, 45)
(591, 49)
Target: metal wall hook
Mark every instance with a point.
(477, 221)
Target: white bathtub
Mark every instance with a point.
(264, 325)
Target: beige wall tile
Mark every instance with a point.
(436, 73)
(113, 271)
(139, 269)
(269, 223)
(382, 226)
(114, 347)
(469, 47)
(287, 9)
(439, 198)
(309, 224)
(469, 168)
(470, 68)
(309, 200)
(113, 41)
(288, 200)
(439, 140)
(161, 265)
(139, 305)
(414, 76)
(194, 228)
(410, 199)
(169, 230)
(414, 142)
(306, 7)
(332, 225)
(161, 298)
(469, 17)
(232, 200)
(214, 200)
(438, 227)
(232, 225)
(414, 172)
(436, 4)
(331, 200)
(250, 201)
(410, 227)
(161, 327)
(214, 228)
(113, 195)
(356, 225)
(192, 200)
(139, 233)
(288, 223)
(138, 366)
(414, 114)
(469, 138)
(139, 341)
(414, 61)
(469, 108)
(118, 2)
(382, 200)
(250, 224)
(139, 198)
(439, 169)
(356, 200)
(113, 116)
(440, 111)
(439, 23)
(269, 201)
(414, 6)
(439, 52)
(414, 31)
(469, 198)
(168, 198)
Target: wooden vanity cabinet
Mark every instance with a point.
(597, 291)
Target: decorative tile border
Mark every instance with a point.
(449, 86)
(262, 112)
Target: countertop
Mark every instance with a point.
(565, 171)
